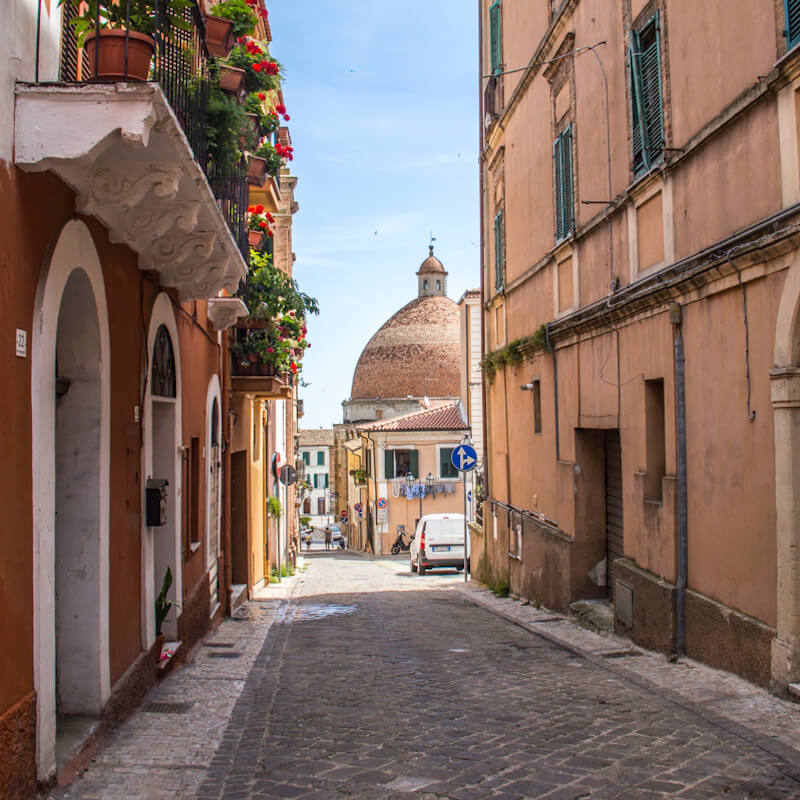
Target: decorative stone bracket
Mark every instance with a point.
(123, 151)
(224, 311)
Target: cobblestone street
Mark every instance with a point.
(358, 679)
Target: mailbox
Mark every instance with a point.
(156, 502)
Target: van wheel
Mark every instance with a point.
(420, 568)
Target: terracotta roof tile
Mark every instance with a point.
(319, 437)
(445, 418)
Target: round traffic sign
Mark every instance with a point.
(464, 458)
(381, 502)
(358, 507)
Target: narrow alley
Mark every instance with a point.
(359, 679)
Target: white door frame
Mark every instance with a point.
(162, 314)
(74, 249)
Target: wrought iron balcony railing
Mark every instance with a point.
(180, 64)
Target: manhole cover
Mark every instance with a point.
(224, 655)
(167, 708)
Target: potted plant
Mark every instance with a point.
(239, 13)
(220, 37)
(232, 80)
(163, 607)
(262, 73)
(256, 170)
(108, 29)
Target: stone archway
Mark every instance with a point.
(70, 405)
(785, 393)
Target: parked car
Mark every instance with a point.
(438, 542)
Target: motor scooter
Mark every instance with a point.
(400, 545)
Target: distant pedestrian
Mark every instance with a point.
(328, 538)
(308, 540)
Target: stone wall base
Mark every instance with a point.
(18, 749)
(653, 607)
(728, 639)
(195, 614)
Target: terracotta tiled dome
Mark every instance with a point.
(414, 353)
(431, 264)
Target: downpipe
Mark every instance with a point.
(676, 315)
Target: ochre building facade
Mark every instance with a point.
(640, 184)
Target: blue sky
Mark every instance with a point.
(384, 122)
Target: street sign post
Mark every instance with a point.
(464, 459)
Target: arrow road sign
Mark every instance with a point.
(464, 458)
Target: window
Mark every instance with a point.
(306, 459)
(438, 285)
(647, 113)
(320, 458)
(307, 505)
(446, 468)
(327, 478)
(321, 506)
(537, 406)
(425, 285)
(496, 38)
(792, 32)
(655, 437)
(499, 250)
(562, 182)
(194, 492)
(400, 463)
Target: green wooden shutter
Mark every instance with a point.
(414, 463)
(496, 38)
(446, 468)
(320, 458)
(562, 184)
(389, 464)
(638, 135)
(647, 106)
(305, 457)
(792, 32)
(327, 479)
(651, 85)
(499, 259)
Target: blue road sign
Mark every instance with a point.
(469, 496)
(464, 458)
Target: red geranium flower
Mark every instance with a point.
(281, 109)
(262, 224)
(286, 117)
(262, 96)
(257, 67)
(259, 209)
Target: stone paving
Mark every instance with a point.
(365, 681)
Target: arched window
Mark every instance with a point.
(425, 284)
(307, 505)
(162, 376)
(438, 286)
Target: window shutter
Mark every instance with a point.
(327, 478)
(499, 262)
(792, 8)
(496, 38)
(414, 463)
(389, 464)
(651, 86)
(647, 107)
(305, 457)
(320, 458)
(444, 458)
(562, 184)
(637, 112)
(316, 484)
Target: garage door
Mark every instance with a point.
(614, 540)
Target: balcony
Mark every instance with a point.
(135, 153)
(259, 380)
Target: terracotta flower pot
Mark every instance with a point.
(256, 171)
(256, 120)
(111, 55)
(231, 80)
(255, 238)
(219, 36)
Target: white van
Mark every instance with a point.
(438, 542)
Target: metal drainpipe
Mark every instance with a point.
(676, 317)
(555, 387)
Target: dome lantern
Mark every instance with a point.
(432, 277)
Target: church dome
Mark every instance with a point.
(431, 264)
(416, 353)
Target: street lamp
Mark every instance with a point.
(429, 479)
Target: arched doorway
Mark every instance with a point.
(162, 447)
(213, 489)
(71, 456)
(307, 506)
